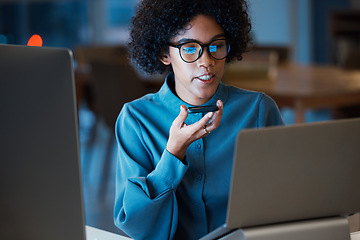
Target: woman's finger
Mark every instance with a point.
(216, 119)
(180, 119)
(203, 121)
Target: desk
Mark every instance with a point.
(98, 234)
(302, 87)
(355, 236)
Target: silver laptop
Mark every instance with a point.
(294, 173)
(40, 181)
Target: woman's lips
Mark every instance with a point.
(206, 78)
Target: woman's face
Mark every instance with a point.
(196, 82)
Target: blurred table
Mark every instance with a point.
(300, 87)
(303, 87)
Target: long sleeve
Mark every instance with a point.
(146, 206)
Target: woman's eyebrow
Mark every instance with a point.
(219, 35)
(184, 40)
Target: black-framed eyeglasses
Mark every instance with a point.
(192, 50)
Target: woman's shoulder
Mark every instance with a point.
(238, 92)
(141, 104)
(267, 110)
(136, 111)
(146, 99)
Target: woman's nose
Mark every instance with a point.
(206, 60)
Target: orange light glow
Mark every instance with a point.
(35, 41)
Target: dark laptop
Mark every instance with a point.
(40, 181)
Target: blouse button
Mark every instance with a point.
(198, 146)
(197, 176)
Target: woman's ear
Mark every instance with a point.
(165, 58)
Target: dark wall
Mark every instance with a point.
(321, 9)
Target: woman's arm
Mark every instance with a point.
(145, 202)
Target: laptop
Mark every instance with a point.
(294, 173)
(40, 181)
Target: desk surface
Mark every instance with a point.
(98, 234)
(355, 236)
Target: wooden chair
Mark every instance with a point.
(114, 85)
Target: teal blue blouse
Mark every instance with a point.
(158, 196)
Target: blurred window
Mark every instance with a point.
(65, 23)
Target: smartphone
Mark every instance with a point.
(202, 109)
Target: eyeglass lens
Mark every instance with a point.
(191, 51)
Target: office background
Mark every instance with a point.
(301, 26)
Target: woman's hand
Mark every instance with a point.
(182, 135)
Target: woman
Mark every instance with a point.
(174, 167)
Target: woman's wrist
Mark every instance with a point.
(177, 152)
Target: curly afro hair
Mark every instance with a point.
(157, 21)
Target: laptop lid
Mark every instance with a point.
(40, 181)
(297, 172)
